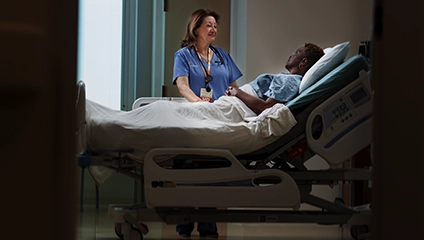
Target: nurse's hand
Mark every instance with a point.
(231, 91)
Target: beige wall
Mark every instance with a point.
(277, 28)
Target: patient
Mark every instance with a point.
(278, 88)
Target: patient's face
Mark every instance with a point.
(295, 59)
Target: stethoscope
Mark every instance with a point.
(207, 71)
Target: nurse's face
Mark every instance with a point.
(207, 30)
(295, 59)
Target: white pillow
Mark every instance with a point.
(332, 58)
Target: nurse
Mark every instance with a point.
(202, 72)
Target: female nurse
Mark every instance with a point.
(202, 71)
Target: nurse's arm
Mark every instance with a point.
(184, 89)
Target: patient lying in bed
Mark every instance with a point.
(281, 88)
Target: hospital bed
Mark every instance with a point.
(266, 185)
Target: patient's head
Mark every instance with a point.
(303, 58)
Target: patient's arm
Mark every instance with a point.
(256, 104)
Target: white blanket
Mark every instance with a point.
(224, 124)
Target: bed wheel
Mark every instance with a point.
(359, 232)
(136, 234)
(118, 230)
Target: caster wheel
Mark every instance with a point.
(118, 230)
(136, 234)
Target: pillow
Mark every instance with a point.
(332, 58)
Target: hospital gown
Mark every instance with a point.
(282, 86)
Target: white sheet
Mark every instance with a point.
(224, 124)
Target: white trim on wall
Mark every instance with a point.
(129, 53)
(238, 39)
(158, 48)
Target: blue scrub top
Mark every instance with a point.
(282, 87)
(224, 71)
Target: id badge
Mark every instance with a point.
(205, 95)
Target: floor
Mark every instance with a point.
(95, 224)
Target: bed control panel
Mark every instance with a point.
(337, 113)
(341, 111)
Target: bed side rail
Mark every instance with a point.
(209, 187)
(139, 102)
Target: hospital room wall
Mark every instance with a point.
(277, 28)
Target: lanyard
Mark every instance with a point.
(207, 72)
